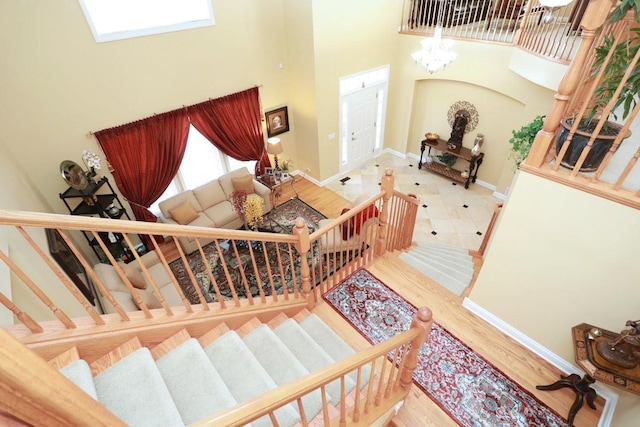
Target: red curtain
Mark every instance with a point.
(145, 156)
(233, 124)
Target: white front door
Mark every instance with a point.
(360, 135)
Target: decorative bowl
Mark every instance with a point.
(432, 136)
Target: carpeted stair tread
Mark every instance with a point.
(454, 259)
(79, 373)
(463, 275)
(333, 344)
(443, 248)
(244, 375)
(213, 334)
(278, 320)
(114, 356)
(451, 283)
(134, 390)
(311, 354)
(63, 359)
(281, 364)
(195, 385)
(170, 344)
(248, 326)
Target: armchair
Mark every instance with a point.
(350, 234)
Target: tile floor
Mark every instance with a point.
(448, 214)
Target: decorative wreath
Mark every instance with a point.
(466, 108)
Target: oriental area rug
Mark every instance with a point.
(279, 220)
(467, 387)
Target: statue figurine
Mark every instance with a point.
(457, 132)
(624, 351)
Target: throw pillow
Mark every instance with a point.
(370, 211)
(347, 226)
(184, 213)
(134, 275)
(243, 183)
(148, 299)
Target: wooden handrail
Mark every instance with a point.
(32, 391)
(487, 235)
(268, 402)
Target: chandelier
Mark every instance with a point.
(435, 54)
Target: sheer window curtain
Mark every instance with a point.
(145, 156)
(233, 124)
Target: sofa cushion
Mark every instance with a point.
(110, 278)
(183, 213)
(222, 214)
(177, 200)
(225, 180)
(148, 299)
(244, 183)
(134, 275)
(210, 194)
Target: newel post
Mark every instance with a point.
(592, 20)
(386, 184)
(423, 320)
(303, 245)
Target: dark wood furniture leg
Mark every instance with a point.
(581, 388)
(422, 145)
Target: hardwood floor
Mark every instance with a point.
(522, 366)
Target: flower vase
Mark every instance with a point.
(477, 145)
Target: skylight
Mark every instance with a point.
(122, 19)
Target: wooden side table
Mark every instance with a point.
(462, 153)
(585, 339)
(277, 185)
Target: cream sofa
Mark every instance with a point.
(112, 281)
(209, 205)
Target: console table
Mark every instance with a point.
(463, 153)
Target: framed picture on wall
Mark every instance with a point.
(65, 257)
(277, 121)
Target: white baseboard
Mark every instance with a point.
(499, 196)
(566, 367)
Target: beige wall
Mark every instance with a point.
(560, 257)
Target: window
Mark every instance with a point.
(202, 163)
(122, 19)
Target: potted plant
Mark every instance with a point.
(447, 159)
(522, 139)
(613, 74)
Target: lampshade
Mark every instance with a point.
(274, 146)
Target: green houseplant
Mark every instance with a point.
(447, 159)
(522, 139)
(614, 71)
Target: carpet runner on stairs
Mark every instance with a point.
(450, 266)
(183, 380)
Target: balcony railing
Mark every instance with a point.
(609, 171)
(552, 34)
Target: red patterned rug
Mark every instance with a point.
(466, 386)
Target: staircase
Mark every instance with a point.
(183, 380)
(452, 267)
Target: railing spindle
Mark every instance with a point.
(63, 278)
(176, 285)
(60, 315)
(210, 274)
(194, 282)
(21, 315)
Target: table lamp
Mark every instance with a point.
(274, 147)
